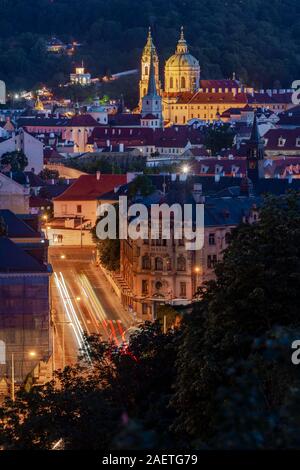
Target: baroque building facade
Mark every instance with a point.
(184, 95)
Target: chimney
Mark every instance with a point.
(98, 174)
(121, 147)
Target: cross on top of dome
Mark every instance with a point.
(182, 47)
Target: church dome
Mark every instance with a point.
(182, 60)
(182, 69)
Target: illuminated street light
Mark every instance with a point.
(62, 256)
(32, 354)
(78, 298)
(185, 169)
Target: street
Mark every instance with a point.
(82, 301)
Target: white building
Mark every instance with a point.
(2, 92)
(29, 145)
(80, 77)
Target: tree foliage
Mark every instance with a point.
(257, 39)
(222, 379)
(16, 160)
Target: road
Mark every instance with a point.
(82, 300)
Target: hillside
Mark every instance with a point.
(258, 39)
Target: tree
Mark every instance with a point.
(47, 174)
(90, 406)
(3, 228)
(142, 185)
(16, 160)
(218, 137)
(256, 289)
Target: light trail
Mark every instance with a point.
(71, 313)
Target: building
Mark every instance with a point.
(149, 55)
(29, 145)
(156, 272)
(185, 96)
(152, 103)
(71, 133)
(282, 142)
(24, 311)
(13, 196)
(2, 92)
(75, 210)
(56, 46)
(80, 77)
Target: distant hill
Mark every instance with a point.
(257, 39)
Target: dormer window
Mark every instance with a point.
(281, 142)
(298, 142)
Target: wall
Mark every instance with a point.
(69, 208)
(24, 322)
(13, 196)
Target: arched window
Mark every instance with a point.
(2, 352)
(181, 263)
(171, 82)
(182, 82)
(146, 70)
(169, 264)
(158, 264)
(146, 263)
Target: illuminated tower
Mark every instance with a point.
(152, 103)
(148, 53)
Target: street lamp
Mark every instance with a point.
(185, 169)
(32, 354)
(62, 256)
(197, 270)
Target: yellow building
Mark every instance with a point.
(185, 96)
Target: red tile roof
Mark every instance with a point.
(291, 137)
(88, 187)
(210, 84)
(175, 136)
(82, 120)
(265, 98)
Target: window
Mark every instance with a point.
(171, 82)
(169, 264)
(146, 262)
(158, 264)
(183, 289)
(211, 239)
(181, 263)
(2, 352)
(227, 238)
(182, 82)
(211, 261)
(144, 309)
(79, 209)
(144, 286)
(146, 70)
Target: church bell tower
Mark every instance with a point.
(149, 53)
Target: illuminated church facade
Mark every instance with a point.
(184, 95)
